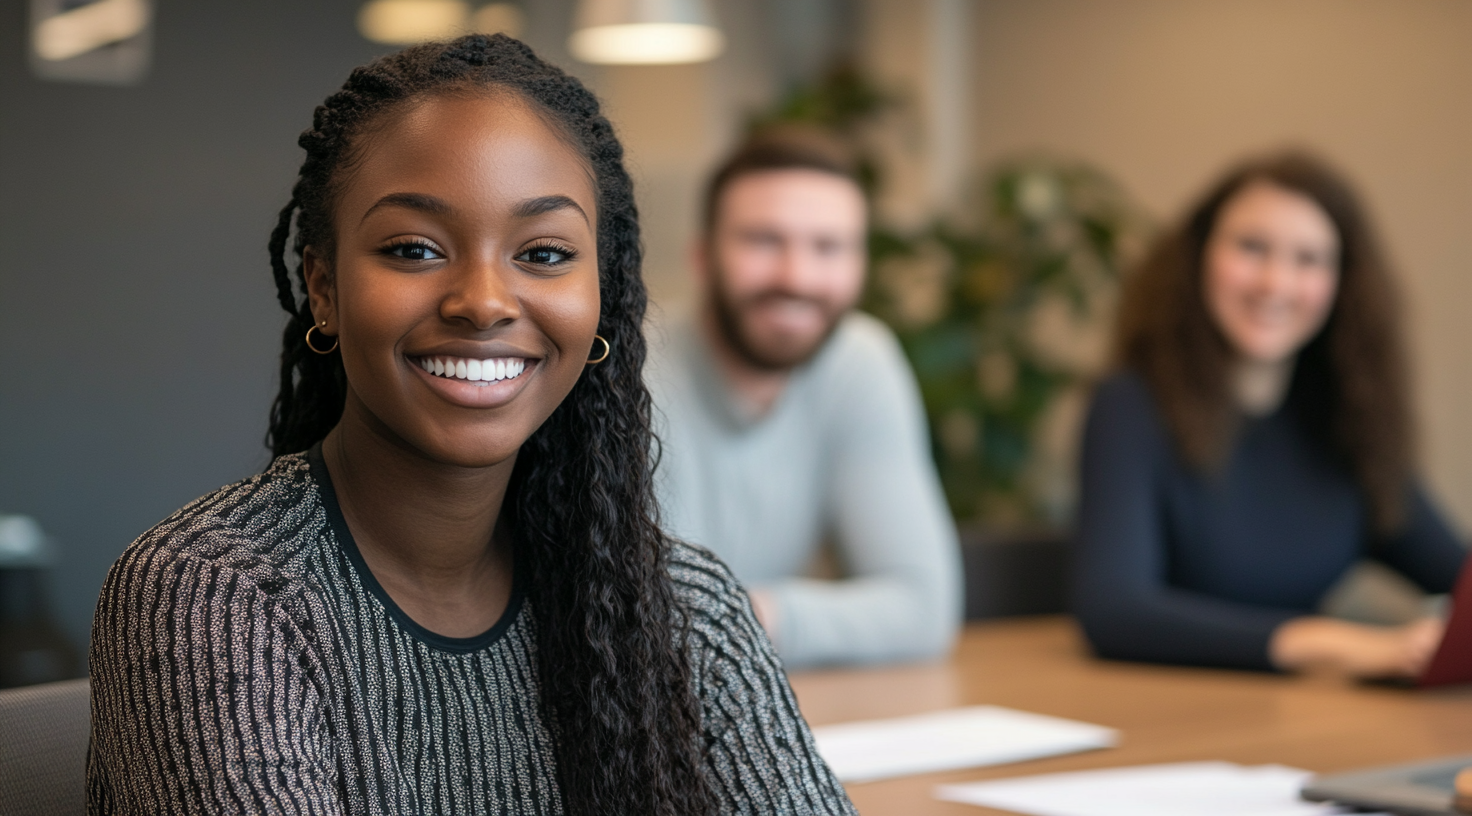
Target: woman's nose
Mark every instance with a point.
(481, 294)
(1276, 273)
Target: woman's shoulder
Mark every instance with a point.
(1124, 400)
(255, 527)
(716, 607)
(703, 582)
(1125, 388)
(759, 747)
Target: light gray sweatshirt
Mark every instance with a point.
(842, 455)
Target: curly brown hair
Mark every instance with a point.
(1350, 383)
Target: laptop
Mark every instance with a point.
(1417, 788)
(1413, 789)
(1452, 662)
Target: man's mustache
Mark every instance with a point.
(775, 296)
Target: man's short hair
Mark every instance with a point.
(781, 147)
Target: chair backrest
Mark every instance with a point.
(1015, 571)
(43, 749)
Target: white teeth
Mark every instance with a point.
(474, 370)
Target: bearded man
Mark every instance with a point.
(791, 424)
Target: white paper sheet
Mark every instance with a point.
(947, 740)
(1177, 789)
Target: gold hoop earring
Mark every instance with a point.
(314, 348)
(607, 349)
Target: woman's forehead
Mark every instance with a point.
(1264, 202)
(492, 147)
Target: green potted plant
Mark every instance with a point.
(991, 304)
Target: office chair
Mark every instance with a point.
(43, 749)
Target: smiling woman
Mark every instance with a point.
(449, 592)
(1256, 442)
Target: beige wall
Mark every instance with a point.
(672, 135)
(677, 121)
(1160, 93)
(1163, 93)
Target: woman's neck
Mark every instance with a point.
(428, 531)
(1259, 387)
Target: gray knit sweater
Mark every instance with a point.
(245, 660)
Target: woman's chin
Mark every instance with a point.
(1262, 348)
(473, 451)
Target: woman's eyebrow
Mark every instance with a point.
(412, 201)
(541, 205)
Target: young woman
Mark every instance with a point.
(449, 592)
(1256, 441)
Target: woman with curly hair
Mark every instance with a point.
(1256, 441)
(449, 592)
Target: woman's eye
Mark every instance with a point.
(546, 256)
(414, 252)
(1314, 259)
(1256, 246)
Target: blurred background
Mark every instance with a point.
(1020, 153)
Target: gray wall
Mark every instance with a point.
(138, 321)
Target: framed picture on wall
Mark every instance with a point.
(107, 42)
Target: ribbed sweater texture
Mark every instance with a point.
(245, 660)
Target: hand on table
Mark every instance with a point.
(765, 607)
(1371, 652)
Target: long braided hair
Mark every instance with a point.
(615, 680)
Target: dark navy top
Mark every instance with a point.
(1174, 565)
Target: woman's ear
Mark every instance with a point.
(321, 291)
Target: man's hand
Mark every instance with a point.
(766, 609)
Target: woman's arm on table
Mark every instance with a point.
(1425, 551)
(1129, 611)
(1120, 591)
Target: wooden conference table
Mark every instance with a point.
(1164, 714)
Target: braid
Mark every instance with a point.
(278, 260)
(614, 674)
(313, 386)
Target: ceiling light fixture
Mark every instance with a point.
(87, 28)
(103, 42)
(499, 18)
(645, 32)
(405, 22)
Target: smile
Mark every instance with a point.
(478, 371)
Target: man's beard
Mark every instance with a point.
(766, 354)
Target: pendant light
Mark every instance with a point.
(644, 32)
(405, 22)
(87, 28)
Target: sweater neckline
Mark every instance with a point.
(349, 546)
